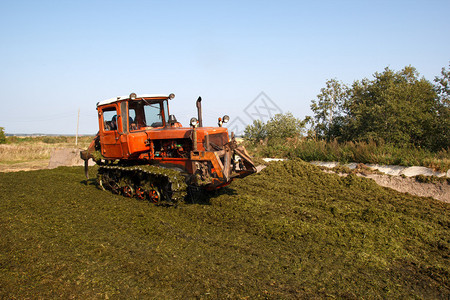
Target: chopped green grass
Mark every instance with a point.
(290, 231)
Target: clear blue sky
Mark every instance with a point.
(60, 56)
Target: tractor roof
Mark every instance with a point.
(112, 100)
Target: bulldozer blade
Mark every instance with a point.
(246, 158)
(227, 165)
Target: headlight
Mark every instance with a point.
(171, 96)
(133, 96)
(193, 122)
(225, 119)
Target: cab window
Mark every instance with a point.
(153, 117)
(132, 119)
(110, 119)
(146, 114)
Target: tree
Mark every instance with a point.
(255, 132)
(282, 126)
(441, 126)
(400, 108)
(442, 87)
(396, 107)
(329, 108)
(2, 135)
(279, 127)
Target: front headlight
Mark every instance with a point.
(194, 122)
(225, 119)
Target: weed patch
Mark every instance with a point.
(431, 179)
(361, 152)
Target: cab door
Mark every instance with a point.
(124, 123)
(109, 132)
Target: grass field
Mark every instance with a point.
(288, 232)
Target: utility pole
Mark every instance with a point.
(78, 124)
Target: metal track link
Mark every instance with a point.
(170, 183)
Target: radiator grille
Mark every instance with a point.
(216, 141)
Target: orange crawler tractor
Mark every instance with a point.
(144, 152)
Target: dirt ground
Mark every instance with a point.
(65, 157)
(439, 191)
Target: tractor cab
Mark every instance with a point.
(124, 122)
(133, 113)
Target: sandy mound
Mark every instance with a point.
(438, 191)
(66, 157)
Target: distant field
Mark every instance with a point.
(28, 153)
(290, 231)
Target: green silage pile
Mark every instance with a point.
(291, 231)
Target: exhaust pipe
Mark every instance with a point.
(199, 111)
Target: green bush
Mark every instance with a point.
(2, 136)
(276, 130)
(361, 152)
(283, 126)
(55, 139)
(255, 132)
